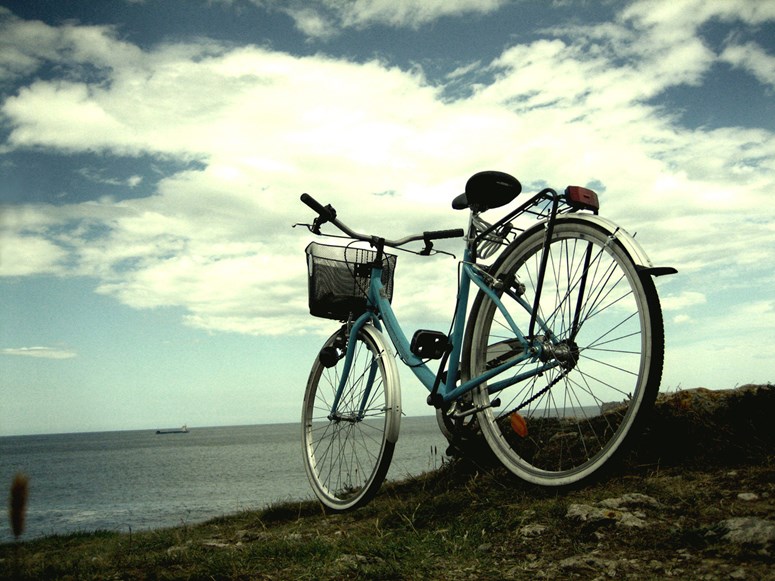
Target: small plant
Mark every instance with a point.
(18, 504)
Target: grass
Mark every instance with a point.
(462, 521)
(450, 524)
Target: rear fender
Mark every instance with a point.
(628, 242)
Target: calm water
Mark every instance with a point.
(138, 480)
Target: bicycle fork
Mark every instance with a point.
(347, 332)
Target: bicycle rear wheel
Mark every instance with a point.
(602, 327)
(347, 454)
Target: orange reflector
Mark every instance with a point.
(519, 425)
(582, 198)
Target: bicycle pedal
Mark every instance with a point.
(429, 344)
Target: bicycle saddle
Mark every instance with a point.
(486, 190)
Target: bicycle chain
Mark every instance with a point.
(530, 400)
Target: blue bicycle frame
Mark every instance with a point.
(448, 391)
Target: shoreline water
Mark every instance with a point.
(136, 480)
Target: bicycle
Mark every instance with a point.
(555, 365)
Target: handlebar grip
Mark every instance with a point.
(318, 207)
(441, 234)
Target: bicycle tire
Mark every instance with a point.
(564, 434)
(347, 458)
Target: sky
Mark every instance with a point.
(152, 155)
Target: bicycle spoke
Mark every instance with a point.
(346, 450)
(592, 311)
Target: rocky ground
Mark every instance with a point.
(694, 500)
(690, 525)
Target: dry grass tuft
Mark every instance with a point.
(17, 509)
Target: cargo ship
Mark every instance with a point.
(182, 430)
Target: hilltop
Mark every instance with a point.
(695, 498)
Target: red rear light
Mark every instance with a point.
(582, 198)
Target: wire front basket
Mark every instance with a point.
(339, 279)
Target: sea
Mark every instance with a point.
(130, 481)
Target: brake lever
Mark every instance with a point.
(429, 250)
(321, 219)
(307, 226)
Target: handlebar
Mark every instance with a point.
(328, 214)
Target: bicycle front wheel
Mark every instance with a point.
(600, 328)
(347, 451)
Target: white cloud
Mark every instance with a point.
(267, 126)
(672, 17)
(312, 23)
(412, 13)
(40, 352)
(22, 255)
(752, 57)
(27, 45)
(99, 176)
(134, 181)
(682, 301)
(325, 18)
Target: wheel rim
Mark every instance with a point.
(347, 456)
(574, 417)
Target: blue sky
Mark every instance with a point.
(152, 154)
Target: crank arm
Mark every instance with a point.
(475, 410)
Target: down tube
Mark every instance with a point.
(396, 334)
(400, 342)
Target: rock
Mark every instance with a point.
(748, 496)
(215, 544)
(587, 513)
(606, 512)
(532, 531)
(749, 530)
(588, 563)
(351, 562)
(178, 549)
(632, 500)
(631, 520)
